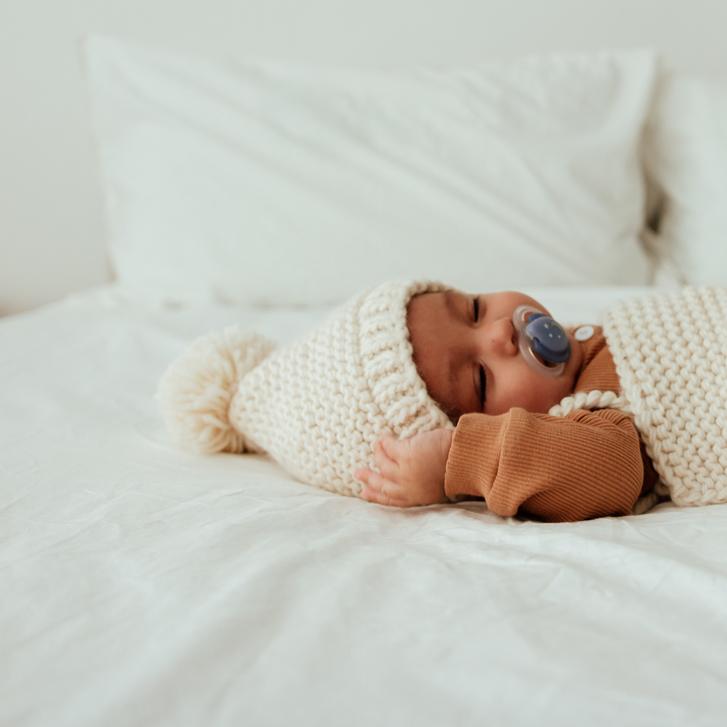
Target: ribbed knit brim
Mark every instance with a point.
(386, 356)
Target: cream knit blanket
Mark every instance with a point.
(670, 351)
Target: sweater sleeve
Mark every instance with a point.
(582, 466)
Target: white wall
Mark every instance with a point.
(51, 209)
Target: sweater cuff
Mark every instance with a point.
(474, 455)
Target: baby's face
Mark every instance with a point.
(453, 339)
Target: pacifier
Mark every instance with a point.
(543, 342)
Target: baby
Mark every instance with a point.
(506, 448)
(416, 393)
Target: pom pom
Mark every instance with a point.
(196, 390)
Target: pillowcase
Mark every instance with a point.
(272, 183)
(686, 161)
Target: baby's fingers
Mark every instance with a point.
(386, 465)
(397, 450)
(378, 489)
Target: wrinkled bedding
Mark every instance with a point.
(143, 585)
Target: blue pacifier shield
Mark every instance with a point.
(547, 338)
(542, 341)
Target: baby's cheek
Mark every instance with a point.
(541, 393)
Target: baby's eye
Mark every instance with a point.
(483, 387)
(476, 309)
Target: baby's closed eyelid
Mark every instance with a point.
(477, 308)
(483, 383)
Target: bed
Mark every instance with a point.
(144, 585)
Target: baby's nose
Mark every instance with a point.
(504, 336)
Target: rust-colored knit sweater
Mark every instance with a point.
(584, 465)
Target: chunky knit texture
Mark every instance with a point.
(670, 351)
(316, 406)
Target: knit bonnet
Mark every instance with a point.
(316, 405)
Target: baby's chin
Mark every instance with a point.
(552, 397)
(567, 390)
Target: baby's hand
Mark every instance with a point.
(412, 470)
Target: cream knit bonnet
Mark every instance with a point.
(316, 406)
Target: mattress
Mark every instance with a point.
(143, 585)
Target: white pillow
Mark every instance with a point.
(278, 184)
(686, 159)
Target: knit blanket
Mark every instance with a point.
(670, 352)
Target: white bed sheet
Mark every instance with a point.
(145, 586)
